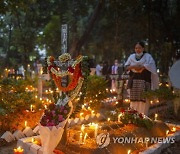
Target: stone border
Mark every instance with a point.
(154, 149)
(29, 147)
(157, 148)
(28, 132)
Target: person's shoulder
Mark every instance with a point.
(147, 54)
(132, 55)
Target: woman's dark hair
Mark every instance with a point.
(141, 43)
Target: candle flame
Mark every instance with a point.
(25, 123)
(19, 149)
(85, 136)
(82, 128)
(173, 129)
(129, 151)
(156, 115)
(119, 117)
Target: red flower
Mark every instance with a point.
(70, 69)
(122, 110)
(140, 115)
(54, 115)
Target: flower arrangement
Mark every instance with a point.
(132, 116)
(64, 57)
(54, 115)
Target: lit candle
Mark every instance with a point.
(82, 106)
(92, 112)
(34, 141)
(108, 119)
(119, 117)
(85, 136)
(31, 108)
(129, 151)
(19, 150)
(167, 132)
(155, 116)
(151, 102)
(91, 125)
(82, 128)
(173, 129)
(80, 138)
(96, 130)
(25, 123)
(81, 114)
(45, 106)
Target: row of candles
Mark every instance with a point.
(167, 132)
(83, 135)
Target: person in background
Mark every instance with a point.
(143, 77)
(106, 70)
(114, 73)
(99, 68)
(21, 71)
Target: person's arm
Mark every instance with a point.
(135, 67)
(150, 64)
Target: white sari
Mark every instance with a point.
(148, 62)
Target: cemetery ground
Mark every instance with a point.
(170, 118)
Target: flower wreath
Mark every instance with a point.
(73, 71)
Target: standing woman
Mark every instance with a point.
(143, 77)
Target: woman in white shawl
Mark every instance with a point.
(143, 77)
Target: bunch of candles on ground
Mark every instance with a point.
(83, 134)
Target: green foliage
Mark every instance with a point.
(96, 87)
(96, 91)
(29, 26)
(142, 122)
(163, 94)
(51, 36)
(14, 98)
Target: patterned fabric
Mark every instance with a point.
(138, 87)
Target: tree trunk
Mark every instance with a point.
(76, 47)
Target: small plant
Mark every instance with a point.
(130, 116)
(163, 94)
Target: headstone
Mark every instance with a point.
(8, 136)
(28, 132)
(18, 134)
